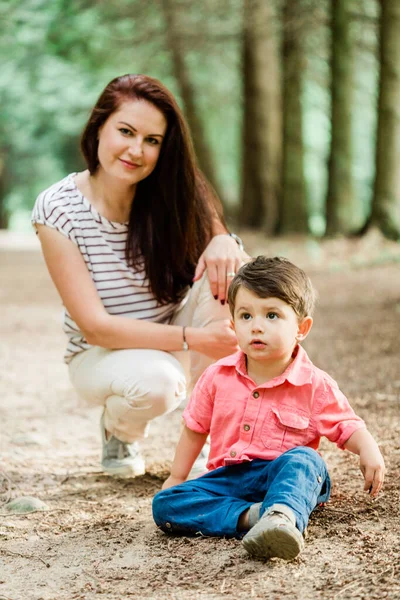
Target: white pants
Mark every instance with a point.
(137, 385)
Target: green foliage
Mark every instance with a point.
(57, 56)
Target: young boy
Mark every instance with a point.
(265, 409)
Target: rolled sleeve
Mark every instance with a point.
(198, 413)
(50, 211)
(335, 419)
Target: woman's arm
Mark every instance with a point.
(187, 451)
(79, 295)
(372, 464)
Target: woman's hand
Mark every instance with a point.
(222, 258)
(216, 340)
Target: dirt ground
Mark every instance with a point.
(97, 538)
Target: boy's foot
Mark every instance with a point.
(275, 534)
(119, 458)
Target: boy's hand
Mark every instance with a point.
(171, 481)
(373, 468)
(372, 464)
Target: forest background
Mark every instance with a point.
(294, 105)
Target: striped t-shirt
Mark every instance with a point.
(123, 290)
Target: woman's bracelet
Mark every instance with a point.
(238, 240)
(185, 345)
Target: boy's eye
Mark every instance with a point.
(246, 316)
(272, 316)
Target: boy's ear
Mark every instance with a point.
(304, 329)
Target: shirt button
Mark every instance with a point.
(168, 525)
(232, 453)
(246, 427)
(319, 478)
(256, 394)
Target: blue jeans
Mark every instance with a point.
(212, 504)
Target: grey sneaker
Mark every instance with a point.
(119, 458)
(275, 534)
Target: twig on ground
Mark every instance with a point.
(5, 551)
(7, 492)
(363, 579)
(32, 512)
(338, 510)
(101, 583)
(80, 473)
(346, 587)
(111, 498)
(376, 579)
(65, 479)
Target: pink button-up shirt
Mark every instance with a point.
(248, 421)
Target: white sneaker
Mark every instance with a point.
(275, 534)
(119, 458)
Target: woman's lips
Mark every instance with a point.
(129, 165)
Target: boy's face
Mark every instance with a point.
(267, 329)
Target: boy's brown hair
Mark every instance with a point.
(275, 278)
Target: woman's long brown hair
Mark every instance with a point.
(171, 217)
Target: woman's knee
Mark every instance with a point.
(134, 403)
(208, 308)
(157, 393)
(146, 380)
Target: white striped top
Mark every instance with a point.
(123, 290)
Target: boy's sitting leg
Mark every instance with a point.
(298, 481)
(275, 534)
(209, 505)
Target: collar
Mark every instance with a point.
(299, 372)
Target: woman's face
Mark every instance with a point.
(130, 141)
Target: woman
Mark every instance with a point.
(138, 250)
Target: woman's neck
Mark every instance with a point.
(110, 197)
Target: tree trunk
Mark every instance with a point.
(342, 213)
(386, 201)
(262, 132)
(4, 217)
(187, 93)
(293, 210)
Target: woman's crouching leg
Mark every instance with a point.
(200, 310)
(134, 386)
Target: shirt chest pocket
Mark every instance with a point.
(284, 429)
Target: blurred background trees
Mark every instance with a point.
(294, 105)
